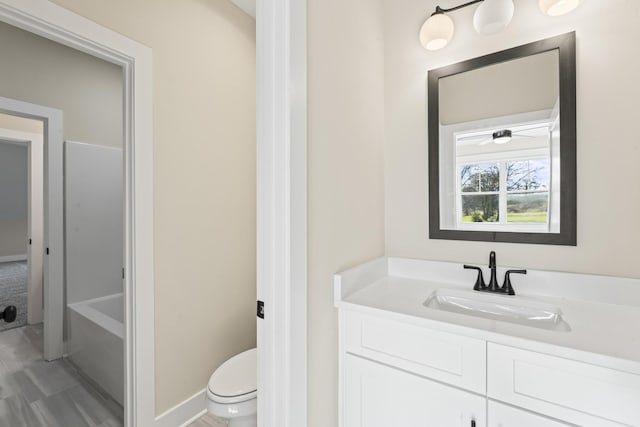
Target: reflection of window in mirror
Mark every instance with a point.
(499, 147)
(504, 183)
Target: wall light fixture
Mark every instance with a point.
(491, 17)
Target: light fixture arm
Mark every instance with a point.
(451, 9)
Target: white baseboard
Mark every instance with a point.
(184, 413)
(10, 258)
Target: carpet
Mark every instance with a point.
(13, 291)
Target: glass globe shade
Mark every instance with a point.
(492, 16)
(557, 7)
(436, 32)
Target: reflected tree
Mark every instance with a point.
(481, 178)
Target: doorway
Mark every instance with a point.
(57, 24)
(88, 177)
(52, 214)
(21, 221)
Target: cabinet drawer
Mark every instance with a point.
(565, 389)
(501, 415)
(452, 359)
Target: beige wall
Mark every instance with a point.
(608, 148)
(204, 178)
(88, 90)
(345, 180)
(20, 124)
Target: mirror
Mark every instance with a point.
(502, 138)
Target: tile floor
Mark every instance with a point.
(207, 421)
(35, 393)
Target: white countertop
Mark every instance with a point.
(603, 312)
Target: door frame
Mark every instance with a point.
(58, 24)
(281, 48)
(35, 217)
(53, 260)
(35, 231)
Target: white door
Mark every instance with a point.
(376, 395)
(501, 415)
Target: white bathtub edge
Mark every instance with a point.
(84, 309)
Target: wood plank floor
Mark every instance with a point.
(36, 393)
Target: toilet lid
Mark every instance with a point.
(235, 377)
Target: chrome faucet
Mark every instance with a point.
(506, 287)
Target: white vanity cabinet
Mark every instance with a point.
(377, 395)
(400, 373)
(404, 363)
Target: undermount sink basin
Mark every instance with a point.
(506, 308)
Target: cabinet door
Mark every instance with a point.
(376, 395)
(501, 415)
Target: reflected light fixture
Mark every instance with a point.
(502, 136)
(491, 17)
(557, 7)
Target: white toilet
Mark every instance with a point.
(232, 393)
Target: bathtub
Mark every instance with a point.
(95, 342)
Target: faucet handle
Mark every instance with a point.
(479, 285)
(506, 287)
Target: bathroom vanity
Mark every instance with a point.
(419, 347)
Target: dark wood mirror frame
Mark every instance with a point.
(565, 44)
